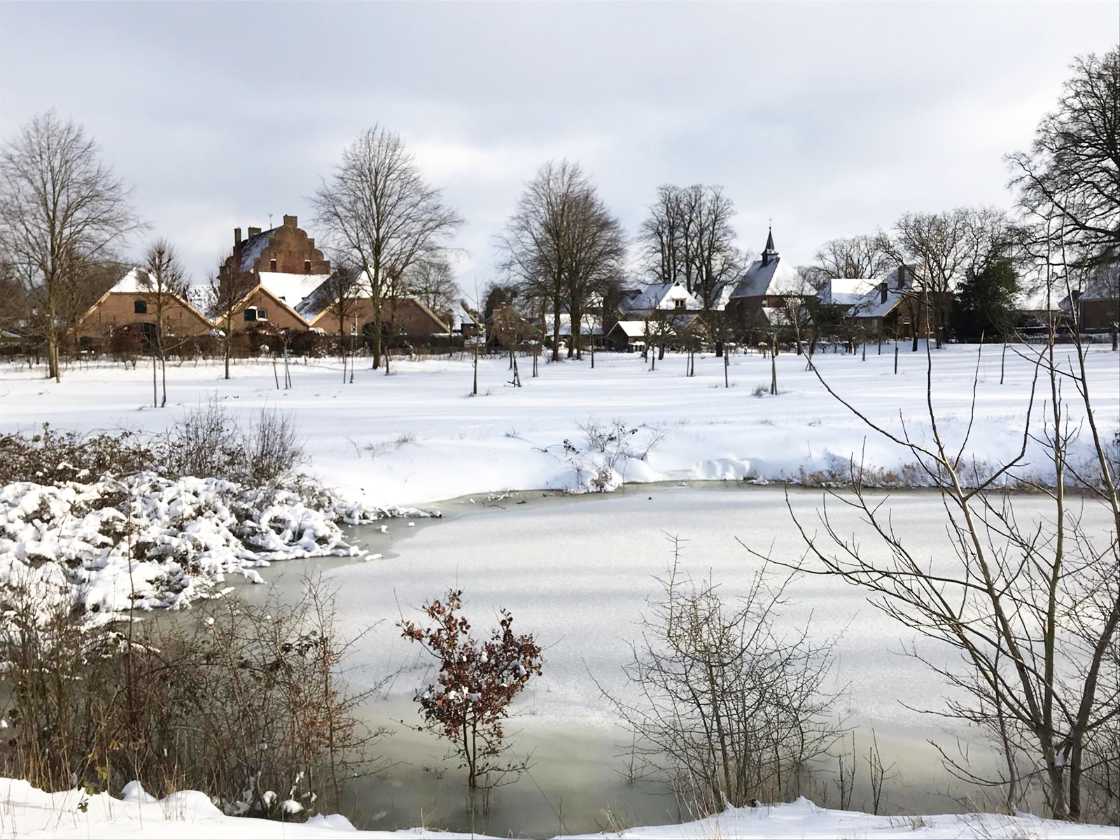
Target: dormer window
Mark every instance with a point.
(307, 266)
(140, 307)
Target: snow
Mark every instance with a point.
(131, 283)
(804, 819)
(32, 813)
(64, 543)
(418, 436)
(846, 290)
(291, 288)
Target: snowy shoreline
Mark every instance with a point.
(30, 812)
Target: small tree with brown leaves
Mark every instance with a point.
(477, 681)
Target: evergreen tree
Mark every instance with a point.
(985, 303)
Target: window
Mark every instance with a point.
(262, 313)
(679, 304)
(272, 265)
(307, 266)
(140, 307)
(250, 313)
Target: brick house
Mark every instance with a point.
(277, 269)
(402, 318)
(132, 304)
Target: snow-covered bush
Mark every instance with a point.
(600, 465)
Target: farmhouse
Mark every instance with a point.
(133, 305)
(287, 286)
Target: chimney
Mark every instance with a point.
(882, 293)
(290, 221)
(236, 237)
(311, 242)
(902, 276)
(254, 231)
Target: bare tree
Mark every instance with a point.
(596, 251)
(725, 705)
(1069, 174)
(382, 216)
(343, 289)
(432, 282)
(1031, 607)
(562, 245)
(856, 256)
(225, 292)
(59, 205)
(164, 278)
(687, 238)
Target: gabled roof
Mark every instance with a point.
(771, 276)
(134, 283)
(631, 329)
(873, 304)
(659, 296)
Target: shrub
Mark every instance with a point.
(477, 681)
(241, 704)
(208, 442)
(51, 457)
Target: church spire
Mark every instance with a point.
(769, 252)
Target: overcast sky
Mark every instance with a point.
(830, 118)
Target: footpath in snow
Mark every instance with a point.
(417, 436)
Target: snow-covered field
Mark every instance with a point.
(417, 436)
(28, 812)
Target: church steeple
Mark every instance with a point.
(769, 252)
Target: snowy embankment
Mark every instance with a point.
(28, 812)
(418, 436)
(155, 542)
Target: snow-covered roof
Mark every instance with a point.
(846, 291)
(589, 324)
(291, 288)
(133, 282)
(769, 276)
(875, 304)
(659, 296)
(632, 329)
(253, 247)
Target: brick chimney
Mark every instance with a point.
(290, 221)
(236, 237)
(882, 293)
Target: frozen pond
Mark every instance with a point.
(577, 571)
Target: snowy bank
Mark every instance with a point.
(804, 819)
(29, 812)
(155, 542)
